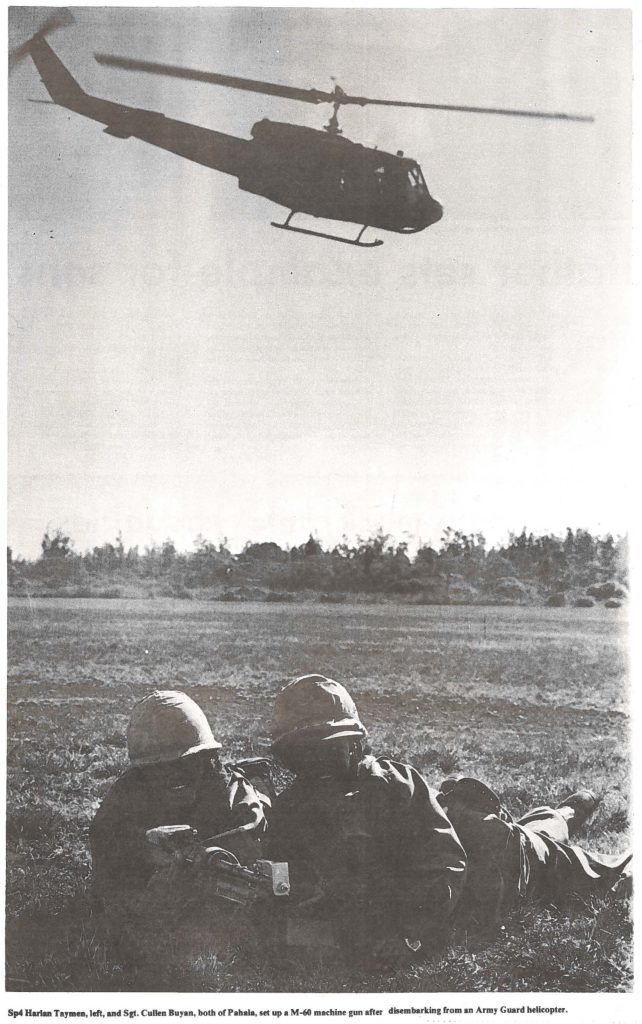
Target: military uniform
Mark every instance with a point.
(379, 858)
(175, 778)
(531, 858)
(373, 858)
(223, 800)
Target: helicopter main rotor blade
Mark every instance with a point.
(230, 81)
(311, 95)
(363, 101)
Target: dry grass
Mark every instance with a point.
(531, 700)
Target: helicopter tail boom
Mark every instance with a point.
(212, 149)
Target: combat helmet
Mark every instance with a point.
(165, 726)
(314, 707)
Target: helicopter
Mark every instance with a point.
(310, 171)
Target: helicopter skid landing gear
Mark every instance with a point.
(286, 226)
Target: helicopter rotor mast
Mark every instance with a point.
(337, 97)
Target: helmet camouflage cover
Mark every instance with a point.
(165, 726)
(314, 707)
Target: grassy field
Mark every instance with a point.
(533, 701)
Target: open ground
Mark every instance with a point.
(532, 700)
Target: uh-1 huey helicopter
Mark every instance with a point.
(306, 170)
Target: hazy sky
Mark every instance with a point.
(177, 366)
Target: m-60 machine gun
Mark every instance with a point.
(175, 845)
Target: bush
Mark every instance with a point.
(409, 586)
(462, 592)
(434, 592)
(602, 591)
(241, 593)
(509, 589)
(611, 603)
(177, 590)
(556, 600)
(584, 602)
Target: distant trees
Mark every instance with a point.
(461, 568)
(56, 546)
(576, 560)
(209, 564)
(267, 551)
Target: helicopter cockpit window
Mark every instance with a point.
(416, 179)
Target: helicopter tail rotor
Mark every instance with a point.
(61, 19)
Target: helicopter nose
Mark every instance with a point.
(434, 212)
(423, 213)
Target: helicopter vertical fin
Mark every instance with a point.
(59, 83)
(65, 90)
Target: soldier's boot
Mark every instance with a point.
(578, 808)
(623, 887)
(468, 792)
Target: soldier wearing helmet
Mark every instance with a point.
(375, 865)
(175, 778)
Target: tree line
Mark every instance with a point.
(528, 568)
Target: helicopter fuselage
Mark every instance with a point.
(305, 170)
(329, 176)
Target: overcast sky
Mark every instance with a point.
(177, 366)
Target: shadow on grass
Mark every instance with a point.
(585, 948)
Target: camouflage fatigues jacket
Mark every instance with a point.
(121, 863)
(376, 858)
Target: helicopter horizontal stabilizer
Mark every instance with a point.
(118, 133)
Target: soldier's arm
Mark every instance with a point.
(427, 864)
(248, 805)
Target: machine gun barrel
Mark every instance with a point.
(240, 883)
